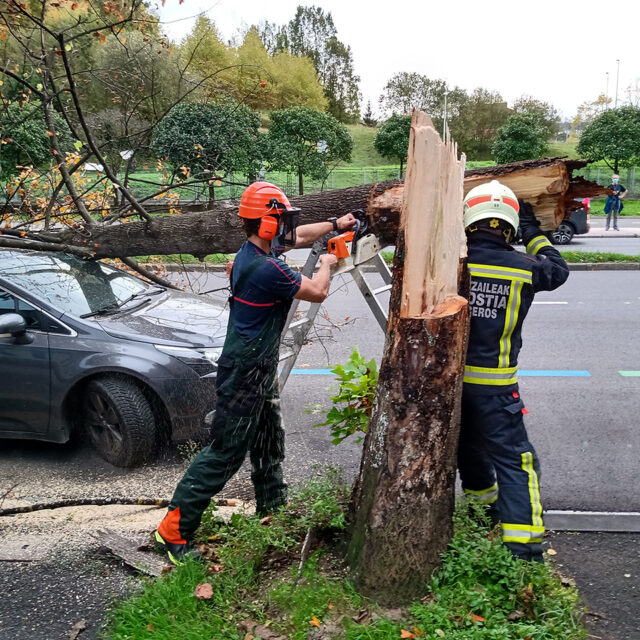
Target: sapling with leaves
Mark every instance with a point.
(353, 403)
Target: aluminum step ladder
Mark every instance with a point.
(298, 325)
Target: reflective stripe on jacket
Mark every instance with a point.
(503, 284)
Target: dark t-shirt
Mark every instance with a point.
(271, 283)
(617, 188)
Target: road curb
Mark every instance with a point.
(573, 266)
(600, 521)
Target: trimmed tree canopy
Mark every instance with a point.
(614, 136)
(213, 138)
(392, 140)
(307, 142)
(523, 137)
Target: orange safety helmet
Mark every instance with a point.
(258, 198)
(265, 201)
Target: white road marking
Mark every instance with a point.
(548, 302)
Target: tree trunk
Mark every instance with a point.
(300, 184)
(401, 176)
(218, 230)
(212, 194)
(404, 497)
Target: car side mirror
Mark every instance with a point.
(13, 325)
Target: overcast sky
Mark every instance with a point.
(554, 50)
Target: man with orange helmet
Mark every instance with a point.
(497, 463)
(248, 416)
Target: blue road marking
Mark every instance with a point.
(533, 373)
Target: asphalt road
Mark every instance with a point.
(583, 423)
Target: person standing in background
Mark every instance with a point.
(614, 202)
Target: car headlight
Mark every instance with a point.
(192, 356)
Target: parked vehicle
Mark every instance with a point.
(85, 346)
(576, 224)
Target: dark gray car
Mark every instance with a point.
(85, 346)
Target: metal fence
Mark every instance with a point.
(602, 175)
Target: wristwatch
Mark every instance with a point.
(334, 222)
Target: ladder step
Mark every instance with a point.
(299, 323)
(285, 355)
(379, 290)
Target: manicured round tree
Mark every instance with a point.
(523, 137)
(209, 140)
(307, 142)
(392, 140)
(613, 136)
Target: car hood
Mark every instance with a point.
(172, 318)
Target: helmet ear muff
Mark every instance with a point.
(268, 229)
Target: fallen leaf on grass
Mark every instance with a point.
(77, 629)
(204, 591)
(151, 627)
(406, 634)
(362, 617)
(440, 633)
(216, 568)
(314, 622)
(266, 521)
(476, 618)
(552, 552)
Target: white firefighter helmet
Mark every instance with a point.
(491, 200)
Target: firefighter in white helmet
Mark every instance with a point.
(497, 463)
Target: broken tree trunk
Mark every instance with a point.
(404, 497)
(547, 184)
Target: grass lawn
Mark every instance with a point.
(631, 207)
(250, 570)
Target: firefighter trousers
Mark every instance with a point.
(499, 467)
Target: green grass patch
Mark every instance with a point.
(186, 258)
(593, 256)
(480, 591)
(631, 208)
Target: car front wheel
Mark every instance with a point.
(563, 234)
(119, 421)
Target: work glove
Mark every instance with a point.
(529, 224)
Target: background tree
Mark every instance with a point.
(26, 138)
(523, 137)
(478, 121)
(405, 91)
(392, 140)
(312, 33)
(547, 114)
(613, 136)
(368, 119)
(209, 140)
(307, 142)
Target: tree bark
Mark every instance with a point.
(218, 230)
(404, 496)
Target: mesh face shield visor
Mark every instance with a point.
(289, 219)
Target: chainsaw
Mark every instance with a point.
(354, 247)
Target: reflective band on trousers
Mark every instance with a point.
(488, 375)
(486, 496)
(534, 488)
(536, 244)
(523, 533)
(503, 273)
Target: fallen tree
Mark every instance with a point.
(548, 184)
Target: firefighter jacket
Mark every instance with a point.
(503, 284)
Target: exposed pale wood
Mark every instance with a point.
(404, 496)
(144, 561)
(434, 234)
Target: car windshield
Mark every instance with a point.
(68, 283)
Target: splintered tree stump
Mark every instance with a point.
(403, 500)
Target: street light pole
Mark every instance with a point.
(617, 77)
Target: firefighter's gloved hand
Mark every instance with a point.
(529, 224)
